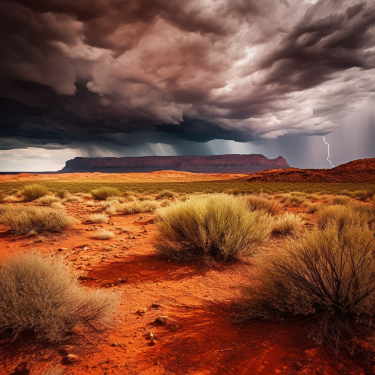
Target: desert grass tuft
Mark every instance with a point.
(42, 295)
(138, 207)
(260, 203)
(363, 194)
(165, 194)
(62, 194)
(99, 218)
(327, 274)
(35, 191)
(311, 207)
(215, 227)
(47, 200)
(104, 192)
(104, 234)
(341, 199)
(287, 224)
(24, 219)
(344, 216)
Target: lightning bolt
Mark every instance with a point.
(328, 151)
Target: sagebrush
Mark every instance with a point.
(42, 295)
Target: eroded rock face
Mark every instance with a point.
(361, 170)
(208, 163)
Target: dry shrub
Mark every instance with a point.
(32, 192)
(110, 207)
(312, 197)
(25, 219)
(145, 198)
(47, 200)
(10, 199)
(328, 274)
(128, 193)
(311, 207)
(63, 194)
(73, 198)
(117, 199)
(43, 296)
(99, 218)
(341, 199)
(344, 216)
(165, 203)
(294, 199)
(363, 194)
(165, 194)
(260, 203)
(214, 227)
(2, 196)
(104, 193)
(347, 193)
(104, 234)
(287, 224)
(365, 210)
(138, 207)
(232, 191)
(57, 206)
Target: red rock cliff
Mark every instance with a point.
(208, 163)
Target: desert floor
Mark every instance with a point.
(201, 335)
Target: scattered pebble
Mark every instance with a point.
(162, 320)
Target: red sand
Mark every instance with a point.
(200, 337)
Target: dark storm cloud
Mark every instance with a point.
(117, 72)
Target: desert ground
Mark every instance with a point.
(202, 331)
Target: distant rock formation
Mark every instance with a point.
(203, 164)
(361, 170)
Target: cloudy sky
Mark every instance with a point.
(184, 77)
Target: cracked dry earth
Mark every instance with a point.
(199, 337)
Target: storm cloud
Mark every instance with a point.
(133, 72)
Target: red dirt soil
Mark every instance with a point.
(362, 170)
(199, 338)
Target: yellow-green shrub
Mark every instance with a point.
(32, 192)
(29, 218)
(287, 224)
(104, 192)
(341, 199)
(328, 274)
(138, 207)
(260, 203)
(217, 226)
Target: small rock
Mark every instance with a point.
(151, 335)
(62, 249)
(152, 343)
(114, 344)
(162, 320)
(85, 248)
(23, 368)
(142, 311)
(70, 358)
(155, 305)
